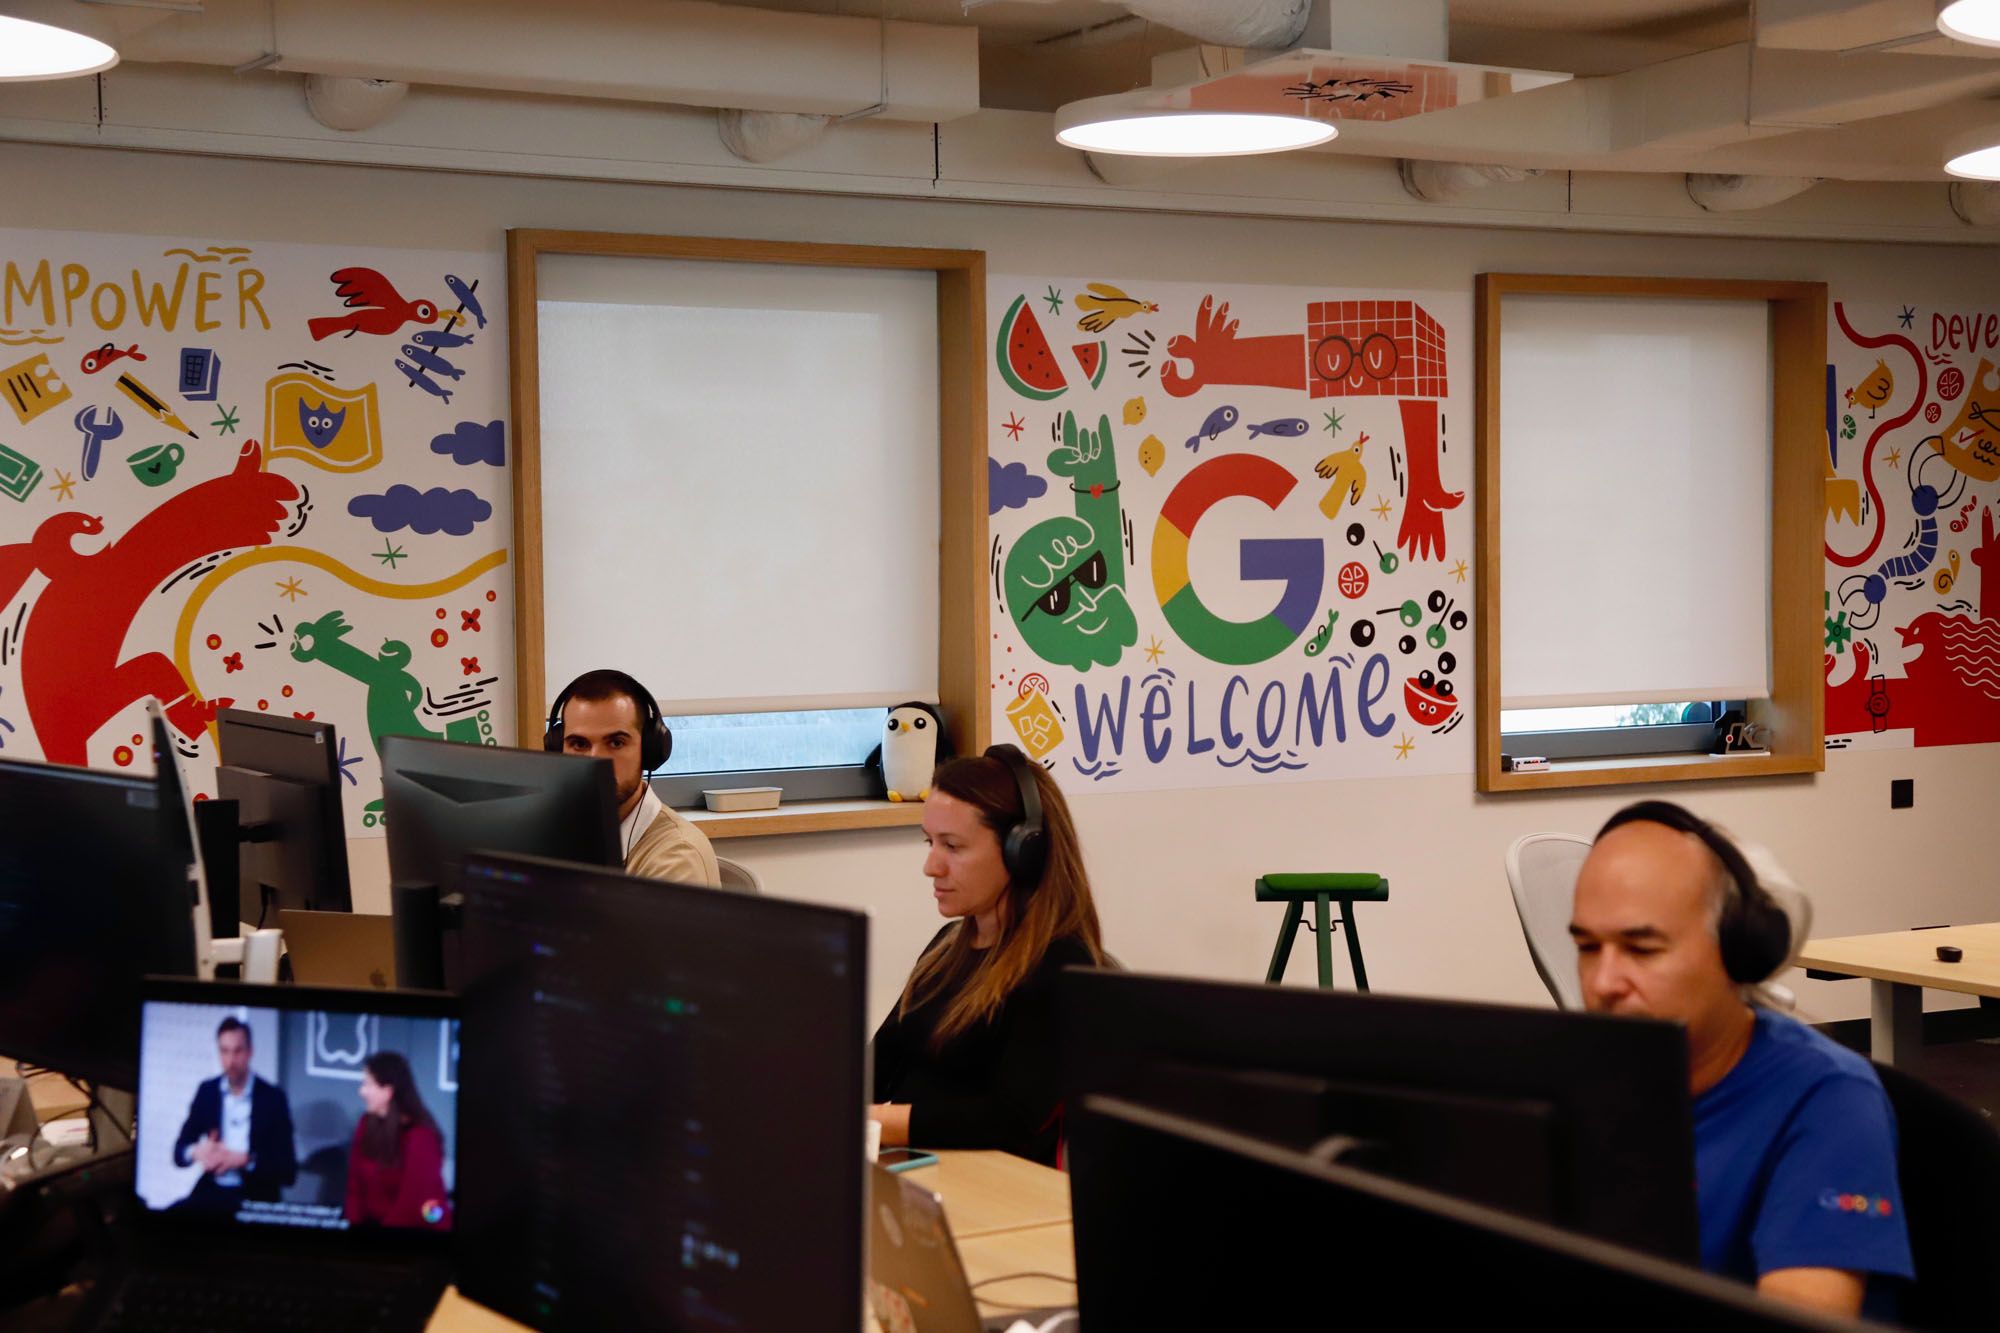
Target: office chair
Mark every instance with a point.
(735, 875)
(1542, 870)
(1948, 1164)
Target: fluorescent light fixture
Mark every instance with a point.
(1178, 132)
(1975, 154)
(31, 51)
(1975, 21)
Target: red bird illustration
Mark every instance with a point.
(72, 675)
(378, 307)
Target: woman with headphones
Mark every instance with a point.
(969, 1057)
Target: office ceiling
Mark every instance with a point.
(1850, 89)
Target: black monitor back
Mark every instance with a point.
(1180, 1224)
(1530, 1110)
(671, 1090)
(93, 897)
(284, 775)
(442, 799)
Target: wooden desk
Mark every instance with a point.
(989, 1192)
(1899, 966)
(1044, 1249)
(1006, 1214)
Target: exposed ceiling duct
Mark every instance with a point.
(1733, 194)
(1977, 203)
(341, 103)
(675, 52)
(1274, 24)
(1449, 182)
(766, 136)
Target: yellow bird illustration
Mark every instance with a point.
(1344, 469)
(1875, 389)
(1843, 495)
(1108, 305)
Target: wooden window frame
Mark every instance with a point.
(1796, 710)
(963, 613)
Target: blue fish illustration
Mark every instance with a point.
(440, 339)
(465, 296)
(432, 362)
(423, 381)
(1220, 420)
(1286, 426)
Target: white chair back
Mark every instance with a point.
(737, 876)
(1542, 870)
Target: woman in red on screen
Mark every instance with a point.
(395, 1166)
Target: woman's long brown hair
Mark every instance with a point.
(382, 1136)
(1031, 916)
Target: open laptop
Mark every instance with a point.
(340, 948)
(916, 1279)
(258, 1205)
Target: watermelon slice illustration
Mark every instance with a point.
(1091, 356)
(1026, 361)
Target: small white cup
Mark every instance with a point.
(874, 1138)
(260, 956)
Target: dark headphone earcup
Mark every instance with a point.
(552, 736)
(658, 745)
(1755, 934)
(1024, 853)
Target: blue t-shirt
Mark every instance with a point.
(1795, 1162)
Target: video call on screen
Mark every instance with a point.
(297, 1116)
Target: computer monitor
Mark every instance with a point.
(442, 800)
(1180, 1224)
(678, 1139)
(92, 898)
(284, 775)
(183, 835)
(1530, 1110)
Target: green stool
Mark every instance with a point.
(1294, 891)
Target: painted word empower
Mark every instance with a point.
(35, 295)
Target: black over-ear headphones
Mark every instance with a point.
(1024, 847)
(1755, 933)
(656, 741)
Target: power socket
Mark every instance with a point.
(1902, 793)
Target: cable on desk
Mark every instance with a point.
(1016, 1277)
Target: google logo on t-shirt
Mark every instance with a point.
(433, 1212)
(1836, 1202)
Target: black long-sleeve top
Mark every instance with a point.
(996, 1085)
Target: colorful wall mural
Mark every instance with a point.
(1230, 537)
(267, 477)
(1912, 642)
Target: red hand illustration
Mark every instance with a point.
(1422, 533)
(1217, 356)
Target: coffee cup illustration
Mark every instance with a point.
(156, 464)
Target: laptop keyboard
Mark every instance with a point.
(269, 1302)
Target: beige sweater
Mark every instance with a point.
(668, 846)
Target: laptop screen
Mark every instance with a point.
(299, 1108)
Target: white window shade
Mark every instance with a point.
(739, 477)
(1635, 489)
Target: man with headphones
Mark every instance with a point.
(607, 714)
(1795, 1141)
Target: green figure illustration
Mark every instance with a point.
(1066, 575)
(393, 693)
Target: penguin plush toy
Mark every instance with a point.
(912, 745)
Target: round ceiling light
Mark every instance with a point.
(30, 51)
(1173, 132)
(1975, 156)
(1975, 21)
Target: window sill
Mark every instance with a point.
(1634, 769)
(807, 817)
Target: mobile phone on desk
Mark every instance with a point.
(905, 1159)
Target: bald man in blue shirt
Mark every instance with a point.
(1795, 1141)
